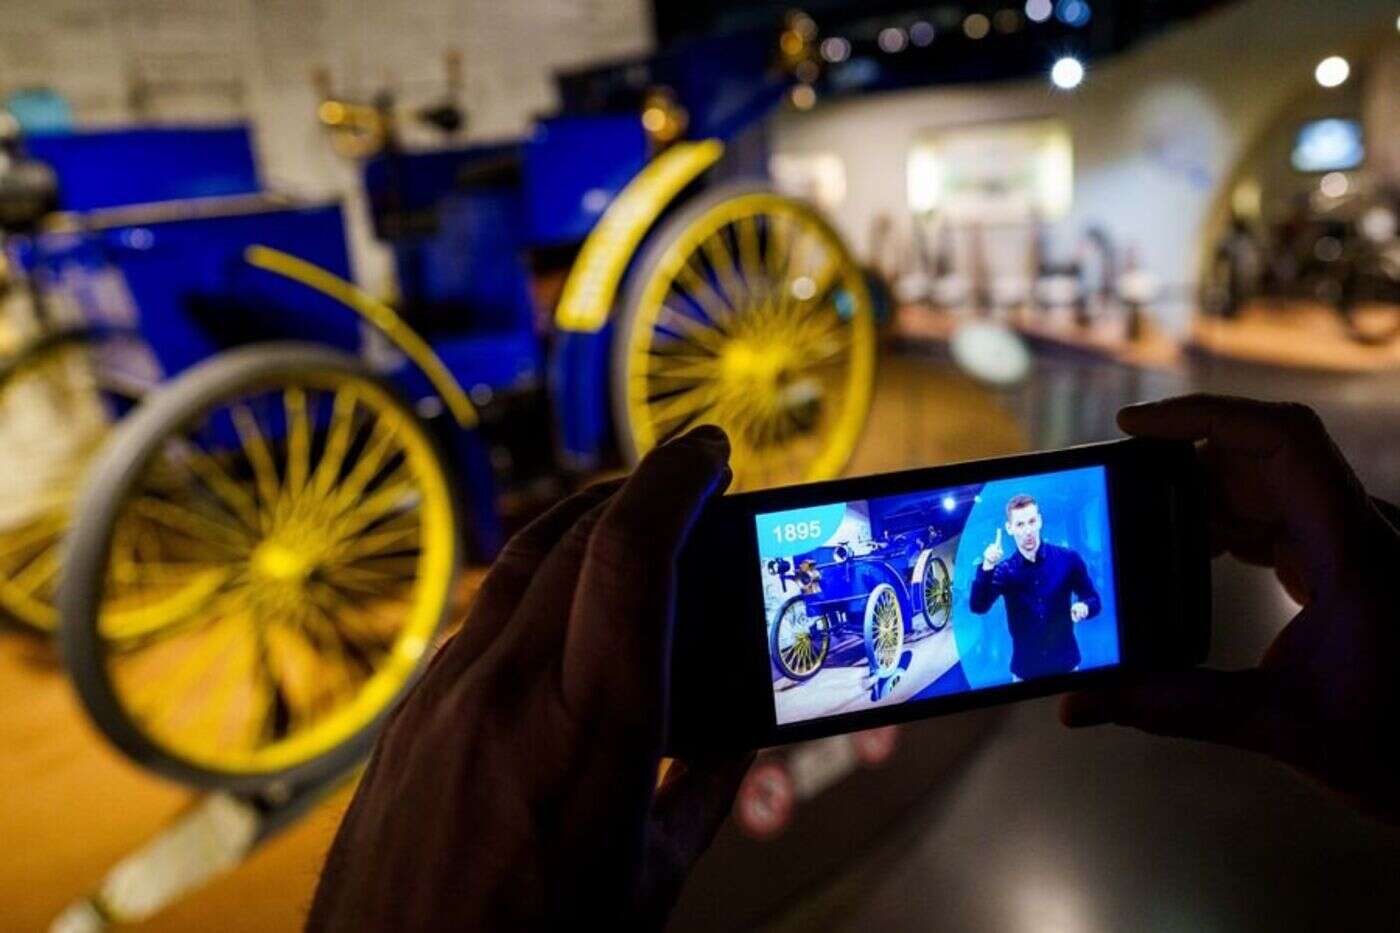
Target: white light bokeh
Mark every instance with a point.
(892, 39)
(1038, 11)
(1332, 71)
(922, 33)
(1333, 184)
(1067, 73)
(836, 49)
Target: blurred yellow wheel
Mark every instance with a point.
(56, 399)
(264, 557)
(747, 311)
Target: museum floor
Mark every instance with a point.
(1028, 827)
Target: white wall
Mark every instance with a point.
(1155, 130)
(221, 59)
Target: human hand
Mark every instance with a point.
(515, 787)
(992, 555)
(1325, 697)
(1078, 612)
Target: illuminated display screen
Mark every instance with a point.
(889, 600)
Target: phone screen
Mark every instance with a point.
(889, 600)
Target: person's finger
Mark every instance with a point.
(1236, 708)
(513, 569)
(534, 636)
(617, 643)
(690, 807)
(1297, 475)
(1241, 425)
(998, 541)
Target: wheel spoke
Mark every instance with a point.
(255, 448)
(298, 441)
(696, 287)
(190, 523)
(208, 471)
(332, 461)
(40, 531)
(725, 268)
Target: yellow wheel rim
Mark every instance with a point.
(801, 651)
(278, 573)
(889, 628)
(938, 589)
(756, 319)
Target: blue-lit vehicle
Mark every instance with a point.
(872, 590)
(250, 561)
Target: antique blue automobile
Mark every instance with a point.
(872, 589)
(247, 526)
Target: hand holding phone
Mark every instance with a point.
(1325, 696)
(846, 605)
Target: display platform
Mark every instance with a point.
(78, 807)
(1105, 338)
(1295, 336)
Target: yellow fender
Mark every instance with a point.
(379, 315)
(592, 286)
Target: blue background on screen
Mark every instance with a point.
(1074, 509)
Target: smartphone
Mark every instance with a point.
(810, 610)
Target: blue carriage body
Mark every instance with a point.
(164, 217)
(835, 581)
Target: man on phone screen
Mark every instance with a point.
(1047, 591)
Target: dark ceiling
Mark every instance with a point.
(933, 44)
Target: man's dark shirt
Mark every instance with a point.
(1038, 595)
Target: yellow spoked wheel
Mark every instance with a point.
(797, 641)
(53, 418)
(883, 629)
(748, 312)
(264, 557)
(935, 585)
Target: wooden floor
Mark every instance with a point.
(1303, 337)
(1104, 338)
(73, 806)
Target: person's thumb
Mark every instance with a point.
(1229, 707)
(998, 541)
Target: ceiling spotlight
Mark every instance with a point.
(976, 26)
(921, 33)
(1038, 11)
(836, 49)
(949, 503)
(1332, 71)
(892, 39)
(1066, 73)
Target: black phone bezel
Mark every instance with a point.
(1162, 587)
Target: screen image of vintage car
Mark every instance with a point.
(859, 601)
